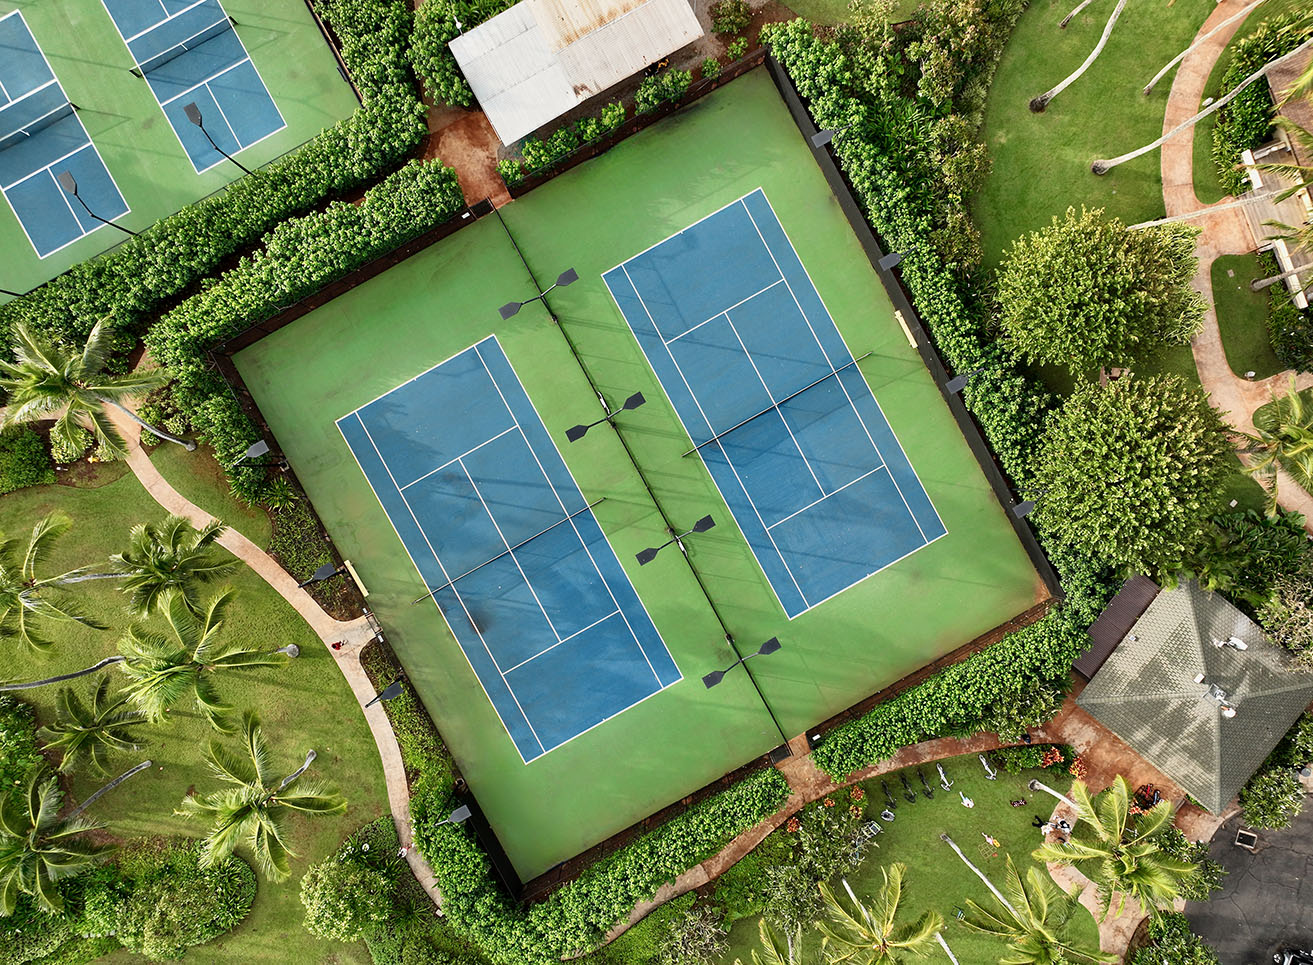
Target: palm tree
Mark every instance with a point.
(171, 556)
(1104, 166)
(1284, 440)
(868, 934)
(1119, 853)
(91, 732)
(777, 951)
(163, 668)
(1037, 104)
(1148, 88)
(24, 599)
(45, 379)
(38, 849)
(1031, 918)
(252, 810)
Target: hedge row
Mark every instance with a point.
(576, 917)
(1289, 328)
(953, 701)
(146, 273)
(299, 257)
(438, 23)
(1246, 122)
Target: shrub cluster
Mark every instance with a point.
(1172, 943)
(659, 88)
(147, 272)
(299, 257)
(538, 155)
(18, 748)
(730, 16)
(1273, 796)
(1246, 122)
(1289, 328)
(577, 916)
(438, 23)
(24, 460)
(422, 750)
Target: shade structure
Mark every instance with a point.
(1149, 693)
(530, 64)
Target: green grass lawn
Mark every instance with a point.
(936, 878)
(1242, 316)
(305, 705)
(129, 129)
(199, 478)
(445, 299)
(1042, 161)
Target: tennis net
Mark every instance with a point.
(193, 41)
(29, 115)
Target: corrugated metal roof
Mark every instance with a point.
(1147, 695)
(530, 64)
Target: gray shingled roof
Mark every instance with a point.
(1146, 693)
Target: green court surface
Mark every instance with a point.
(129, 129)
(445, 299)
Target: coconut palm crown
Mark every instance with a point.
(867, 934)
(27, 600)
(252, 809)
(171, 556)
(91, 732)
(50, 381)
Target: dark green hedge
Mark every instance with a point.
(576, 917)
(299, 258)
(1246, 122)
(435, 27)
(24, 460)
(148, 272)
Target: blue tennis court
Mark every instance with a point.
(496, 525)
(189, 53)
(766, 388)
(40, 137)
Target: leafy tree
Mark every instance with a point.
(46, 380)
(1087, 292)
(85, 732)
(791, 899)
(172, 556)
(1288, 615)
(867, 934)
(1210, 873)
(1130, 472)
(25, 598)
(39, 849)
(1120, 852)
(1031, 916)
(163, 668)
(344, 899)
(1244, 554)
(696, 938)
(252, 811)
(1284, 440)
(1271, 798)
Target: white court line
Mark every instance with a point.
(726, 311)
(830, 317)
(509, 552)
(828, 495)
(461, 456)
(860, 420)
(63, 157)
(776, 406)
(560, 641)
(688, 227)
(574, 527)
(729, 462)
(205, 83)
(167, 17)
(35, 90)
(459, 598)
(247, 59)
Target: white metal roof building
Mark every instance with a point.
(530, 64)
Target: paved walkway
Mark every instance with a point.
(354, 634)
(1225, 232)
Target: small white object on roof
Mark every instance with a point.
(530, 64)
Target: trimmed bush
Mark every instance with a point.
(1289, 329)
(1172, 943)
(24, 460)
(730, 16)
(577, 916)
(435, 28)
(710, 68)
(145, 273)
(344, 899)
(656, 90)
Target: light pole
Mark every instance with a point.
(649, 554)
(826, 135)
(567, 277)
(390, 692)
(575, 433)
(70, 186)
(461, 813)
(194, 115)
(959, 382)
(716, 676)
(325, 572)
